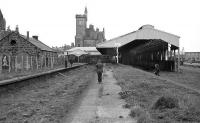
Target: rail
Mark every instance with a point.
(18, 79)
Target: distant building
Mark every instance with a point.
(72, 44)
(83, 54)
(192, 56)
(87, 37)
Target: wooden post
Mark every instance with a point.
(31, 63)
(164, 58)
(27, 65)
(9, 60)
(45, 61)
(22, 63)
(36, 62)
(117, 55)
(0, 64)
(53, 61)
(175, 65)
(178, 65)
(16, 64)
(167, 55)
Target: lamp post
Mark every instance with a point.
(117, 45)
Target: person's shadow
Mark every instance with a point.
(100, 90)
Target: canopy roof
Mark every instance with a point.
(87, 49)
(83, 50)
(77, 52)
(145, 32)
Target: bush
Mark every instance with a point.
(141, 115)
(166, 102)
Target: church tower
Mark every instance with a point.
(2, 22)
(81, 25)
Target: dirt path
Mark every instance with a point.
(85, 109)
(102, 104)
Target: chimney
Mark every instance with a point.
(17, 29)
(27, 36)
(8, 29)
(35, 37)
(72, 44)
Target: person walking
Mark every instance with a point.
(157, 70)
(99, 70)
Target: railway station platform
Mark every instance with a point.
(21, 78)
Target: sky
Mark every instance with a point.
(54, 20)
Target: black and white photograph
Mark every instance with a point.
(99, 61)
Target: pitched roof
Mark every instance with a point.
(35, 42)
(39, 44)
(145, 32)
(3, 34)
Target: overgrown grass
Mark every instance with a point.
(156, 100)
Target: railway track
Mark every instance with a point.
(18, 79)
(47, 97)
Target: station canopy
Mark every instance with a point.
(145, 33)
(78, 51)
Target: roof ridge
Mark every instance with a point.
(123, 35)
(113, 39)
(167, 33)
(38, 41)
(41, 42)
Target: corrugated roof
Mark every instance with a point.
(147, 32)
(39, 44)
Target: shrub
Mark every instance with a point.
(141, 115)
(166, 102)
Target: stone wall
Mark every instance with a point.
(18, 54)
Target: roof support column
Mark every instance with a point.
(175, 63)
(178, 60)
(166, 55)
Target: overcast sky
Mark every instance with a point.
(54, 20)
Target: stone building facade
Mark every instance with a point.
(19, 52)
(87, 37)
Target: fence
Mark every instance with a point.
(27, 64)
